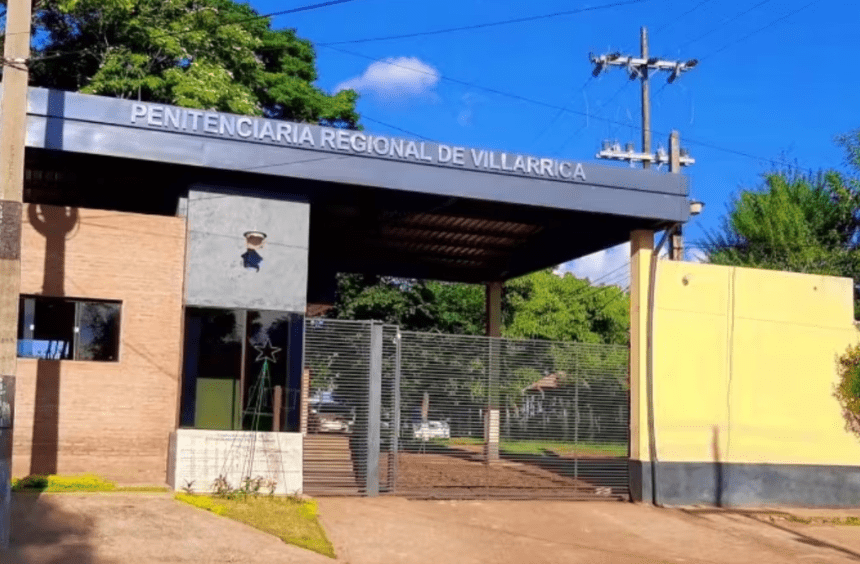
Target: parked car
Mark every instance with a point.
(331, 417)
(431, 430)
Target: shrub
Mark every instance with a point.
(80, 483)
(848, 387)
(52, 483)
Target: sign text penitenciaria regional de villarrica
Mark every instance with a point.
(344, 140)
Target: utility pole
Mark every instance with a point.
(646, 96)
(13, 131)
(641, 68)
(676, 250)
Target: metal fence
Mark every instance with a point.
(450, 416)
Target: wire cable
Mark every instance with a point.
(543, 104)
(723, 25)
(680, 16)
(484, 25)
(559, 113)
(602, 106)
(759, 30)
(396, 128)
(220, 25)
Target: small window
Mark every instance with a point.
(65, 329)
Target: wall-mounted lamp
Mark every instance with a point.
(254, 241)
(696, 207)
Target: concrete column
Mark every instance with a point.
(494, 329)
(494, 309)
(641, 249)
(277, 400)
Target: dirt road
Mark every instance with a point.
(393, 530)
(137, 528)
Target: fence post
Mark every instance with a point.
(491, 424)
(374, 403)
(394, 451)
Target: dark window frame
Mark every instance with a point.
(28, 306)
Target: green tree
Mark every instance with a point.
(540, 305)
(207, 54)
(413, 304)
(543, 305)
(794, 222)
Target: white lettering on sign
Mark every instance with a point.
(276, 132)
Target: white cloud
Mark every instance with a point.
(696, 255)
(609, 266)
(464, 118)
(397, 77)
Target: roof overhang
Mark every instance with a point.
(379, 204)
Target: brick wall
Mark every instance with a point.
(110, 418)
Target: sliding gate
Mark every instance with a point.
(429, 415)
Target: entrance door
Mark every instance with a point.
(238, 366)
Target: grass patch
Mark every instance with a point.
(850, 521)
(81, 483)
(53, 483)
(143, 489)
(539, 448)
(292, 520)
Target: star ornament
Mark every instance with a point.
(267, 352)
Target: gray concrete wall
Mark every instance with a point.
(747, 485)
(216, 275)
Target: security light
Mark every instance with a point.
(696, 207)
(253, 241)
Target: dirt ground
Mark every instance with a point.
(462, 474)
(438, 476)
(137, 528)
(395, 530)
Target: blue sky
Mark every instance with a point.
(780, 93)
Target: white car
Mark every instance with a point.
(431, 430)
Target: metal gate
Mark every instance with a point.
(449, 416)
(347, 408)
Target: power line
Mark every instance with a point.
(559, 113)
(220, 25)
(483, 25)
(596, 113)
(543, 104)
(724, 24)
(759, 30)
(396, 128)
(680, 16)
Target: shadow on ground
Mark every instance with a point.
(42, 533)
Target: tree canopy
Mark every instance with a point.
(206, 54)
(797, 222)
(544, 305)
(541, 305)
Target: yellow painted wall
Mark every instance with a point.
(745, 366)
